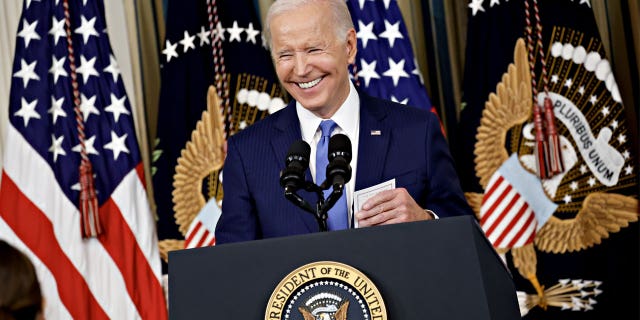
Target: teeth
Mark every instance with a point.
(307, 85)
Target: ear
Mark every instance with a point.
(352, 45)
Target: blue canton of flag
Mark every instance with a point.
(116, 274)
(386, 67)
(41, 106)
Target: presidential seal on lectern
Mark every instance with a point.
(326, 290)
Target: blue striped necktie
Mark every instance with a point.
(338, 215)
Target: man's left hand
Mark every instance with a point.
(390, 206)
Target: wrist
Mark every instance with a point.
(430, 214)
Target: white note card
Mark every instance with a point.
(361, 196)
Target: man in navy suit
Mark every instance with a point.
(312, 44)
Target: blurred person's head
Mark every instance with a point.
(20, 296)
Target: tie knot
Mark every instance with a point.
(327, 126)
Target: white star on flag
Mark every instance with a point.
(251, 33)
(27, 72)
(219, 32)
(27, 111)
(29, 2)
(368, 71)
(57, 68)
(475, 6)
(391, 32)
(87, 106)
(88, 145)
(56, 109)
(117, 145)
(28, 32)
(57, 29)
(203, 35)
(416, 71)
(365, 33)
(396, 71)
(187, 42)
(87, 69)
(87, 29)
(56, 147)
(394, 99)
(117, 107)
(361, 3)
(113, 68)
(170, 50)
(235, 32)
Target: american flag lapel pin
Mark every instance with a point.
(376, 132)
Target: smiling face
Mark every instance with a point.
(310, 59)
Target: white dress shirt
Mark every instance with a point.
(348, 120)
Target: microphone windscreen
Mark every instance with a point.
(340, 145)
(299, 151)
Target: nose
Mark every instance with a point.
(300, 67)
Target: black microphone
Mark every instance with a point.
(339, 170)
(297, 161)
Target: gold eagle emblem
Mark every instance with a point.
(600, 213)
(202, 155)
(341, 314)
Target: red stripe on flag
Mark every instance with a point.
(509, 227)
(504, 212)
(193, 233)
(140, 172)
(493, 207)
(203, 238)
(21, 215)
(532, 235)
(488, 194)
(526, 225)
(143, 286)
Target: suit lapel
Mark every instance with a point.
(284, 135)
(375, 136)
(287, 128)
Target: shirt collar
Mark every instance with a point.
(347, 116)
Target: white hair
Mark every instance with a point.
(339, 13)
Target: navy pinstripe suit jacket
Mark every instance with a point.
(410, 148)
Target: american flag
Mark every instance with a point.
(116, 274)
(386, 66)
